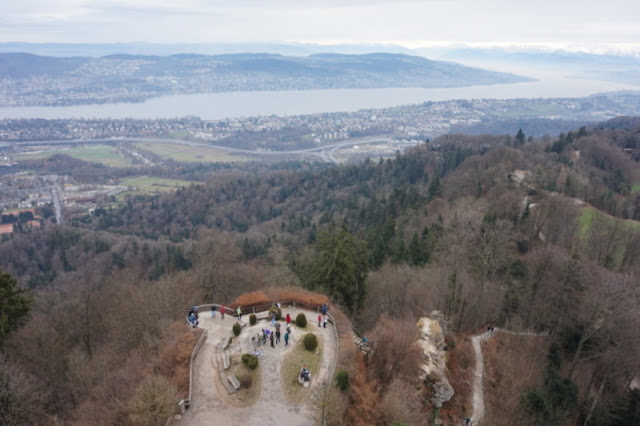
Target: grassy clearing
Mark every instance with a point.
(585, 221)
(635, 186)
(97, 153)
(245, 397)
(154, 184)
(144, 185)
(293, 361)
(190, 154)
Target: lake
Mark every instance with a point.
(216, 106)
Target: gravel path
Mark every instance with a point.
(208, 405)
(478, 391)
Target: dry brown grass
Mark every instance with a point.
(175, 353)
(363, 395)
(513, 364)
(297, 294)
(248, 300)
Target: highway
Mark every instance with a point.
(325, 152)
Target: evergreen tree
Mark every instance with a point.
(520, 137)
(14, 305)
(340, 266)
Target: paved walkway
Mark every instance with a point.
(208, 404)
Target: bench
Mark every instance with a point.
(234, 381)
(219, 362)
(225, 361)
(224, 343)
(230, 389)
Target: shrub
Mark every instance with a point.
(301, 320)
(252, 319)
(310, 341)
(449, 342)
(250, 361)
(236, 329)
(245, 381)
(342, 380)
(153, 401)
(278, 312)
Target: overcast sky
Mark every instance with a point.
(573, 24)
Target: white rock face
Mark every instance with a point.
(433, 370)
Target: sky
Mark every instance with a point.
(587, 25)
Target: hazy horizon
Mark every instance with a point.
(586, 26)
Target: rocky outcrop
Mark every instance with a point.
(433, 370)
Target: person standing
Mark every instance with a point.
(319, 320)
(239, 313)
(288, 319)
(213, 311)
(273, 319)
(277, 335)
(222, 308)
(271, 339)
(324, 321)
(286, 339)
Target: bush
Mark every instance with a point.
(301, 320)
(252, 319)
(153, 401)
(449, 342)
(342, 380)
(245, 381)
(278, 312)
(310, 341)
(236, 329)
(250, 361)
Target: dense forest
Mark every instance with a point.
(527, 234)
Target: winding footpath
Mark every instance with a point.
(478, 390)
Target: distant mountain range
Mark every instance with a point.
(45, 80)
(608, 67)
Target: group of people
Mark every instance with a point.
(192, 317)
(322, 317)
(214, 309)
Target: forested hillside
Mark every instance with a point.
(527, 234)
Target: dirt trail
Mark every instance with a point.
(208, 404)
(478, 390)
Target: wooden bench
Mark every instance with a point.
(234, 381)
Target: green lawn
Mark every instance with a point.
(588, 219)
(293, 361)
(190, 154)
(96, 153)
(151, 184)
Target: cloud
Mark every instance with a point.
(356, 21)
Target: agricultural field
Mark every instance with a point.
(96, 153)
(190, 154)
(151, 185)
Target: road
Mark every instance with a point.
(55, 196)
(325, 152)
